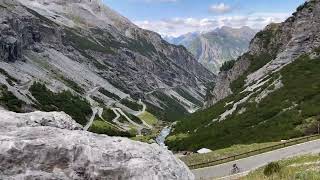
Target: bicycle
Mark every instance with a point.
(235, 169)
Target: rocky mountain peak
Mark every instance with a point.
(279, 44)
(214, 48)
(81, 13)
(242, 32)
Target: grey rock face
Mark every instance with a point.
(222, 87)
(10, 46)
(53, 119)
(298, 35)
(10, 49)
(283, 42)
(17, 34)
(47, 152)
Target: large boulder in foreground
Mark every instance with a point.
(46, 146)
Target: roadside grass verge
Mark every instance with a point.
(224, 153)
(239, 152)
(300, 168)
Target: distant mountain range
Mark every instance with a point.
(270, 93)
(214, 48)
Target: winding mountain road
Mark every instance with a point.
(94, 112)
(128, 119)
(116, 119)
(94, 107)
(163, 88)
(97, 110)
(144, 107)
(251, 163)
(100, 112)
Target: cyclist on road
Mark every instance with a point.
(235, 169)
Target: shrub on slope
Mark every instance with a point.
(78, 108)
(276, 117)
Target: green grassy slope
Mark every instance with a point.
(289, 112)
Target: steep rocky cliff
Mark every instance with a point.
(51, 146)
(214, 48)
(279, 44)
(88, 49)
(271, 92)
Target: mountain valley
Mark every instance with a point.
(86, 93)
(270, 94)
(216, 47)
(85, 59)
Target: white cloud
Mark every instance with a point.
(220, 8)
(179, 26)
(161, 1)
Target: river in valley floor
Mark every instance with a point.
(163, 135)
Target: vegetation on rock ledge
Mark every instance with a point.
(226, 66)
(78, 108)
(9, 100)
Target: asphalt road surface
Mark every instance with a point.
(251, 163)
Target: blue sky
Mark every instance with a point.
(176, 17)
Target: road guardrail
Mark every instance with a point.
(255, 152)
